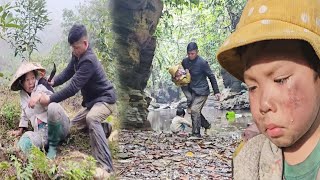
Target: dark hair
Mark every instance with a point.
(311, 56)
(76, 33)
(192, 46)
(23, 78)
(180, 112)
(307, 50)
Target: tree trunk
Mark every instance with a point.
(134, 23)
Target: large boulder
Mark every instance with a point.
(231, 82)
(134, 23)
(233, 100)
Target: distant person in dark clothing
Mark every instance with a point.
(99, 98)
(198, 90)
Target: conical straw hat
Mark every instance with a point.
(24, 68)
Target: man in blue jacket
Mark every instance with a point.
(197, 91)
(99, 98)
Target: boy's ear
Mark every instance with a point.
(86, 42)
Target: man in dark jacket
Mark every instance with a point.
(198, 90)
(87, 74)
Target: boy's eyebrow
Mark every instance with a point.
(269, 72)
(248, 77)
(274, 68)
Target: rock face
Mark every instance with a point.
(231, 82)
(235, 95)
(234, 100)
(134, 23)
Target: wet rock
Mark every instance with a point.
(123, 155)
(233, 100)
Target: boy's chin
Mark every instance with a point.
(282, 142)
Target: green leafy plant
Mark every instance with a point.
(41, 164)
(37, 166)
(32, 17)
(23, 172)
(81, 170)
(4, 166)
(6, 18)
(11, 112)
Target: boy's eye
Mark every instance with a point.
(281, 80)
(252, 88)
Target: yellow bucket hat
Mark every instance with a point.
(173, 70)
(271, 20)
(24, 68)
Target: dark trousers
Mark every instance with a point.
(196, 103)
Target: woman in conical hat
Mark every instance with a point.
(50, 124)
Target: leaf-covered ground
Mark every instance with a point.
(152, 155)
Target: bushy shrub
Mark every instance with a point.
(37, 166)
(80, 170)
(10, 113)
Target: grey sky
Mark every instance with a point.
(53, 32)
(56, 6)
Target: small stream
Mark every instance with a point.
(160, 120)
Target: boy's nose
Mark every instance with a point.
(267, 102)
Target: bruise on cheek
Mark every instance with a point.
(294, 97)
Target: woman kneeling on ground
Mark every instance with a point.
(50, 124)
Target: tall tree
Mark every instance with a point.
(32, 17)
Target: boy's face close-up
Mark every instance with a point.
(284, 91)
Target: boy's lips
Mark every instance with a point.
(274, 130)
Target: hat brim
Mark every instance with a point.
(15, 82)
(257, 31)
(173, 70)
